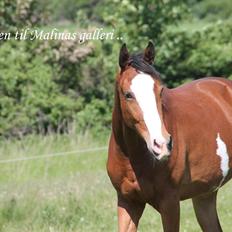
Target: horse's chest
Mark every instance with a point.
(138, 187)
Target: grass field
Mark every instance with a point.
(72, 193)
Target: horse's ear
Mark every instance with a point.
(149, 53)
(123, 56)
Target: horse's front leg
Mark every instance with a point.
(129, 213)
(169, 209)
(206, 212)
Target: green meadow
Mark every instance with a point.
(72, 192)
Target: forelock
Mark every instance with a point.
(136, 61)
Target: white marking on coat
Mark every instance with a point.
(142, 86)
(223, 154)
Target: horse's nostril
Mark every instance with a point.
(157, 144)
(170, 144)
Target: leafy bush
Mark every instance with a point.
(185, 56)
(22, 13)
(95, 117)
(138, 21)
(30, 99)
(213, 10)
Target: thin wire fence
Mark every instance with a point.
(53, 155)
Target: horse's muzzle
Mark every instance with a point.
(161, 150)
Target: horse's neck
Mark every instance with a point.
(168, 111)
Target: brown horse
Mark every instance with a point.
(168, 145)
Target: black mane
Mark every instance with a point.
(137, 62)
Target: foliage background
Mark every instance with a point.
(49, 86)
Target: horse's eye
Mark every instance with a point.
(128, 95)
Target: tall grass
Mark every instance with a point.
(73, 192)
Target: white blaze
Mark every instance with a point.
(222, 152)
(142, 86)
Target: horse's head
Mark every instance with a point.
(139, 89)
